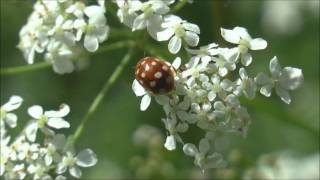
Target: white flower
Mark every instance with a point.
(205, 52)
(282, 79)
(240, 36)
(18, 171)
(150, 17)
(39, 171)
(226, 60)
(5, 111)
(62, 31)
(42, 119)
(246, 85)
(56, 27)
(126, 12)
(203, 158)
(51, 151)
(59, 55)
(217, 87)
(177, 29)
(85, 158)
(96, 30)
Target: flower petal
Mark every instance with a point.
(190, 149)
(242, 32)
(174, 44)
(246, 59)
(176, 63)
(11, 120)
(13, 103)
(61, 168)
(283, 94)
(291, 78)
(86, 158)
(62, 66)
(192, 27)
(266, 90)
(170, 143)
(165, 35)
(35, 111)
(31, 131)
(262, 79)
(258, 44)
(58, 123)
(191, 38)
(243, 73)
(91, 43)
(139, 23)
(145, 102)
(230, 36)
(275, 67)
(138, 89)
(204, 146)
(64, 110)
(75, 172)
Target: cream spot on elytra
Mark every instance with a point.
(158, 75)
(147, 67)
(165, 68)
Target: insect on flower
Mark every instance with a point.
(155, 75)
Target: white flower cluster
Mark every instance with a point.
(161, 26)
(207, 89)
(24, 158)
(56, 29)
(284, 165)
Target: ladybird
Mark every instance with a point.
(155, 75)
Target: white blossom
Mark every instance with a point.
(85, 158)
(55, 28)
(240, 36)
(202, 156)
(6, 109)
(177, 30)
(22, 157)
(282, 79)
(150, 17)
(43, 120)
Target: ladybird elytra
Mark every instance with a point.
(155, 75)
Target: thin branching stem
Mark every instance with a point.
(98, 99)
(43, 65)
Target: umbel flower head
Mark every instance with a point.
(206, 96)
(24, 157)
(59, 28)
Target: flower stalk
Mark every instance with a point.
(98, 99)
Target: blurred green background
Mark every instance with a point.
(275, 126)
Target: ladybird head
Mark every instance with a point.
(155, 75)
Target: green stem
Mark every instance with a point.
(44, 65)
(24, 68)
(98, 99)
(179, 6)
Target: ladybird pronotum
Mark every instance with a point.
(155, 75)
